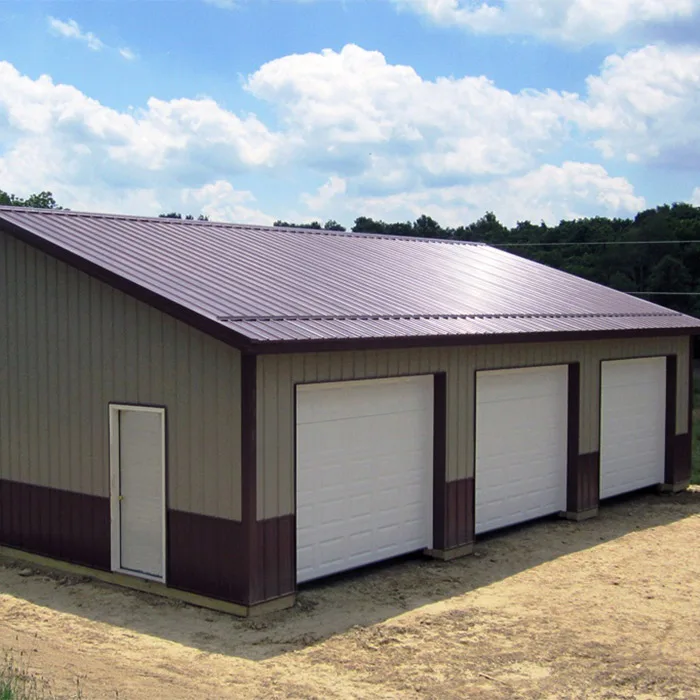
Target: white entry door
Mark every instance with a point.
(138, 490)
(632, 425)
(521, 445)
(364, 472)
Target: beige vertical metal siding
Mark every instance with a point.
(70, 345)
(278, 374)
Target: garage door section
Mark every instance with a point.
(633, 424)
(364, 472)
(521, 440)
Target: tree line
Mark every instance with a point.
(656, 254)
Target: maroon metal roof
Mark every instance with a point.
(260, 285)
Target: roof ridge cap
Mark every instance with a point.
(233, 226)
(108, 215)
(272, 318)
(380, 236)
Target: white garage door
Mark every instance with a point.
(364, 472)
(633, 425)
(521, 445)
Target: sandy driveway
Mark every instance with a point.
(609, 608)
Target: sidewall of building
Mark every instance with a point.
(279, 374)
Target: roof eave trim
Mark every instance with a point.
(425, 341)
(188, 316)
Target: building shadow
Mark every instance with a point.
(355, 599)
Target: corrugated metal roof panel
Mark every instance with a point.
(277, 284)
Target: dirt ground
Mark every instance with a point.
(609, 608)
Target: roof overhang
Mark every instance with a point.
(432, 341)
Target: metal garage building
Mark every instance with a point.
(231, 410)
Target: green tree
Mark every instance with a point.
(622, 282)
(670, 276)
(363, 224)
(488, 229)
(40, 200)
(177, 215)
(427, 227)
(287, 224)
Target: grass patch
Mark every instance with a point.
(17, 683)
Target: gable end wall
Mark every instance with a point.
(69, 346)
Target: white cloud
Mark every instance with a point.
(220, 201)
(572, 21)
(71, 30)
(222, 4)
(54, 137)
(327, 193)
(646, 106)
(695, 197)
(352, 112)
(549, 193)
(127, 53)
(552, 193)
(378, 134)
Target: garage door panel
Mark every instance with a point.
(539, 489)
(628, 451)
(360, 505)
(632, 431)
(536, 458)
(325, 407)
(521, 384)
(330, 473)
(542, 416)
(633, 374)
(367, 446)
(369, 437)
(521, 433)
(527, 506)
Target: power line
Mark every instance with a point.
(666, 294)
(568, 243)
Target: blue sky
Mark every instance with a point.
(252, 110)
